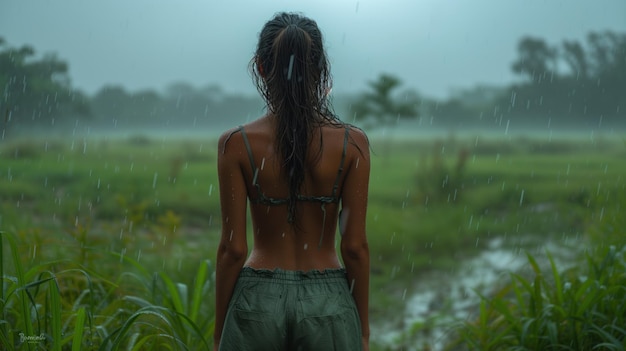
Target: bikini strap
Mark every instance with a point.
(343, 158)
(260, 195)
(248, 148)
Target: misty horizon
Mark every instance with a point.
(436, 47)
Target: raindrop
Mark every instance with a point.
(263, 163)
(231, 235)
(154, 180)
(306, 246)
(138, 255)
(210, 189)
(290, 67)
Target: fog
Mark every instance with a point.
(434, 46)
(497, 165)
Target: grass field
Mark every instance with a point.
(136, 219)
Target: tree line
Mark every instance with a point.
(569, 84)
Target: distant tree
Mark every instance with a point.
(36, 92)
(380, 106)
(576, 58)
(590, 92)
(537, 60)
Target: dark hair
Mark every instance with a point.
(292, 73)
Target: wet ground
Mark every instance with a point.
(445, 298)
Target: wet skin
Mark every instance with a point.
(311, 243)
(277, 243)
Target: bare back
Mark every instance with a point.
(332, 179)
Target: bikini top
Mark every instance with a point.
(273, 201)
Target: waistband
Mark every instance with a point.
(295, 277)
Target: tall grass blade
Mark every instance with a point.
(55, 309)
(79, 330)
(21, 282)
(196, 299)
(558, 288)
(612, 342)
(119, 335)
(174, 293)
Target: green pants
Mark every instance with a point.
(291, 310)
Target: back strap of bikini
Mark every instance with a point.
(343, 158)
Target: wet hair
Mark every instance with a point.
(292, 73)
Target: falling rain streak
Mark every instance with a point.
(136, 176)
(291, 58)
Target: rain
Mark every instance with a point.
(497, 136)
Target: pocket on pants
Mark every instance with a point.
(253, 322)
(328, 322)
(256, 303)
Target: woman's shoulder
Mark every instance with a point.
(358, 138)
(226, 136)
(251, 131)
(352, 139)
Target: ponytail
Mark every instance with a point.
(294, 83)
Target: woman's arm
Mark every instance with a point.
(354, 247)
(233, 247)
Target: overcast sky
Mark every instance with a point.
(433, 45)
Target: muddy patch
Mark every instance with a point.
(444, 298)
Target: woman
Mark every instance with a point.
(297, 166)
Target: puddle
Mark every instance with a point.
(444, 298)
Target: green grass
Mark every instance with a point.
(61, 304)
(127, 224)
(579, 309)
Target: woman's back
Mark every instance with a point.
(295, 167)
(309, 242)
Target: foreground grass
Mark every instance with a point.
(579, 308)
(583, 308)
(61, 305)
(124, 227)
